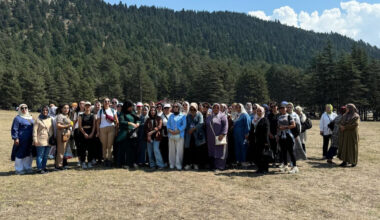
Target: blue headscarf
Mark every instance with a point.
(42, 116)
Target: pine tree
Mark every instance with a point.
(11, 92)
(251, 87)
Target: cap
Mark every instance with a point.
(167, 105)
(139, 104)
(87, 103)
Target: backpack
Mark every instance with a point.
(306, 125)
(296, 130)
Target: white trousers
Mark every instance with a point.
(23, 164)
(176, 147)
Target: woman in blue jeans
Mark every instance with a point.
(152, 129)
(42, 131)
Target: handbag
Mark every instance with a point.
(52, 140)
(66, 136)
(217, 141)
(267, 153)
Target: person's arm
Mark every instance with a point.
(169, 124)
(35, 133)
(321, 125)
(14, 131)
(98, 123)
(351, 126)
(200, 122)
(81, 128)
(182, 124)
(93, 128)
(247, 126)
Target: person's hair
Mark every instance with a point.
(155, 110)
(59, 109)
(342, 109)
(271, 104)
(127, 104)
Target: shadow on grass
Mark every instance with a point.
(245, 173)
(322, 164)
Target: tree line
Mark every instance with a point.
(60, 51)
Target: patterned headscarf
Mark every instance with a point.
(25, 115)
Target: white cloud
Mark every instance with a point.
(353, 19)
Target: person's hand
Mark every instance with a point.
(149, 139)
(191, 130)
(35, 143)
(321, 133)
(158, 133)
(271, 136)
(246, 137)
(277, 139)
(86, 136)
(341, 128)
(97, 134)
(221, 137)
(91, 136)
(17, 142)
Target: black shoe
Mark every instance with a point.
(353, 165)
(344, 164)
(58, 168)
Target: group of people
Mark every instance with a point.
(178, 135)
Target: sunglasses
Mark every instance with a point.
(175, 106)
(24, 108)
(108, 101)
(114, 102)
(192, 109)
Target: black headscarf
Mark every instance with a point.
(42, 116)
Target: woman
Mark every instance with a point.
(258, 139)
(217, 127)
(127, 137)
(152, 131)
(142, 144)
(286, 140)
(335, 135)
(22, 135)
(98, 154)
(273, 120)
(106, 124)
(64, 127)
(185, 108)
(242, 125)
(87, 125)
(164, 145)
(327, 117)
(349, 137)
(42, 132)
(303, 118)
(77, 135)
(176, 129)
(298, 150)
(194, 138)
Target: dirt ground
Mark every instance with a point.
(319, 191)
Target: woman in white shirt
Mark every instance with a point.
(327, 117)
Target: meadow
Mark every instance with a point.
(319, 191)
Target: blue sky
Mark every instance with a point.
(357, 19)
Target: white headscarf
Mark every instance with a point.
(212, 113)
(242, 110)
(185, 112)
(256, 120)
(25, 115)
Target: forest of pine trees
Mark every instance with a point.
(63, 51)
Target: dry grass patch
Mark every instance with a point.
(319, 191)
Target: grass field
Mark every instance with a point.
(319, 191)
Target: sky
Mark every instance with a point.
(357, 19)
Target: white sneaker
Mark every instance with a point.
(294, 170)
(84, 166)
(79, 164)
(187, 167)
(196, 167)
(135, 166)
(285, 168)
(282, 166)
(89, 165)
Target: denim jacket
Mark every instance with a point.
(199, 133)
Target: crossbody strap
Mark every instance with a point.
(212, 128)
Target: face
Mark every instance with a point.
(238, 108)
(259, 112)
(129, 109)
(166, 110)
(65, 109)
(230, 109)
(193, 110)
(298, 112)
(87, 107)
(81, 105)
(159, 108)
(289, 108)
(204, 109)
(153, 112)
(151, 103)
(45, 111)
(24, 109)
(215, 109)
(175, 108)
(114, 102)
(282, 110)
(119, 108)
(138, 108)
(328, 109)
(185, 106)
(254, 109)
(274, 108)
(145, 111)
(106, 103)
(98, 105)
(223, 108)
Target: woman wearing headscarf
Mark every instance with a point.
(194, 138)
(230, 136)
(349, 136)
(64, 129)
(152, 134)
(22, 135)
(185, 108)
(258, 139)
(142, 144)
(242, 126)
(298, 150)
(335, 135)
(217, 127)
(127, 136)
(176, 128)
(42, 132)
(303, 118)
(327, 117)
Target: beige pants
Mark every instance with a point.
(61, 149)
(107, 136)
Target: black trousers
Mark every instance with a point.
(127, 152)
(286, 145)
(86, 148)
(195, 154)
(274, 148)
(326, 141)
(164, 148)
